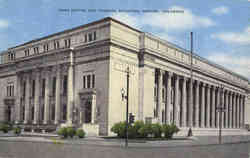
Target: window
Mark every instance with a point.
(163, 94)
(10, 90)
(24, 89)
(84, 81)
(88, 81)
(46, 47)
(64, 117)
(67, 43)
(94, 35)
(90, 37)
(93, 81)
(54, 86)
(43, 87)
(33, 88)
(36, 50)
(11, 56)
(85, 38)
(56, 45)
(27, 52)
(65, 82)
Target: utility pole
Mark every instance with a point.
(191, 88)
(127, 104)
(126, 145)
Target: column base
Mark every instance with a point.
(69, 123)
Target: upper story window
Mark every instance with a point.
(11, 56)
(86, 38)
(36, 50)
(56, 45)
(94, 35)
(46, 47)
(67, 43)
(10, 89)
(90, 37)
(89, 81)
(27, 52)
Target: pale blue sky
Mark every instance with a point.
(221, 27)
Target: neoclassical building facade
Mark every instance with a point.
(75, 77)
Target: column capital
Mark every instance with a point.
(177, 76)
(184, 78)
(208, 85)
(170, 74)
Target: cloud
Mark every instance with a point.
(220, 10)
(166, 24)
(238, 64)
(234, 37)
(181, 21)
(176, 21)
(4, 24)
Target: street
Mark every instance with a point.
(10, 149)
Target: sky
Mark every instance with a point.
(221, 28)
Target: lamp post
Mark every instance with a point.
(127, 98)
(220, 109)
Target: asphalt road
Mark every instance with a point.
(50, 150)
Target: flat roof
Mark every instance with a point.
(111, 19)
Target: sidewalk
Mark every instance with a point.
(98, 141)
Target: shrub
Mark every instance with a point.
(137, 126)
(80, 133)
(71, 132)
(119, 129)
(5, 128)
(146, 130)
(156, 130)
(17, 130)
(169, 130)
(63, 132)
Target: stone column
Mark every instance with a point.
(243, 110)
(213, 107)
(159, 99)
(37, 97)
(167, 111)
(58, 95)
(93, 109)
(229, 110)
(222, 104)
(191, 105)
(238, 111)
(47, 97)
(18, 100)
(176, 105)
(226, 112)
(203, 105)
(197, 103)
(184, 102)
(208, 106)
(27, 100)
(234, 110)
(70, 92)
(217, 105)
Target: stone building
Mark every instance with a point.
(75, 77)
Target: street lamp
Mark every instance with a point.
(220, 109)
(127, 98)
